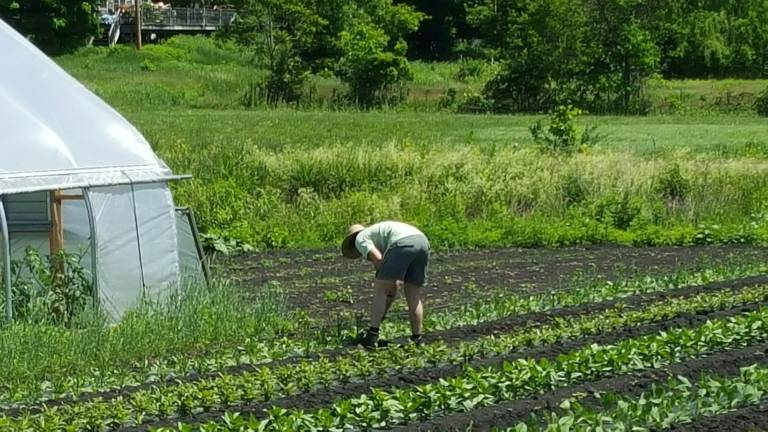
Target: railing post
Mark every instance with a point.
(137, 18)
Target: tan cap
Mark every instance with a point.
(348, 248)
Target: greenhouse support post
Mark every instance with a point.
(94, 245)
(6, 264)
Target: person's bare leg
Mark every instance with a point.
(382, 291)
(391, 295)
(415, 307)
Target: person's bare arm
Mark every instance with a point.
(375, 257)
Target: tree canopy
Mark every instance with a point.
(56, 26)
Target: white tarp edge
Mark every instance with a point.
(134, 264)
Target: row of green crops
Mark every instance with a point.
(72, 382)
(677, 402)
(524, 377)
(264, 384)
(503, 304)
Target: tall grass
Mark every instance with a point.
(35, 356)
(468, 196)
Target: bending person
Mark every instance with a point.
(400, 253)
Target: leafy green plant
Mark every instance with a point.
(148, 66)
(448, 100)
(561, 135)
(340, 295)
(374, 75)
(50, 289)
(26, 366)
(473, 69)
(226, 246)
(473, 102)
(672, 185)
(618, 210)
(676, 402)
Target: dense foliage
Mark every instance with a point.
(55, 26)
(700, 38)
(595, 54)
(359, 41)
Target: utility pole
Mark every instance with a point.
(137, 21)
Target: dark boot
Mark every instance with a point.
(371, 339)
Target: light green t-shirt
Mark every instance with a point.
(383, 235)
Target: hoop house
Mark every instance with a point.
(75, 175)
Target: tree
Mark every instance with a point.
(594, 54)
(750, 39)
(361, 40)
(624, 54)
(55, 26)
(542, 46)
(373, 49)
(277, 32)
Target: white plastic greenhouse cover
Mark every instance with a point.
(56, 134)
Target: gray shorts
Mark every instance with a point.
(406, 260)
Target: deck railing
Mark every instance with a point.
(187, 17)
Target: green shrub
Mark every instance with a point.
(51, 289)
(562, 136)
(474, 102)
(148, 66)
(470, 70)
(375, 76)
(672, 185)
(617, 210)
(448, 100)
(573, 189)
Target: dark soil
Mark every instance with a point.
(502, 326)
(324, 397)
(631, 385)
(460, 276)
(750, 419)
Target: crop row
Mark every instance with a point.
(477, 388)
(677, 402)
(255, 352)
(505, 304)
(266, 384)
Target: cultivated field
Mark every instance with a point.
(572, 339)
